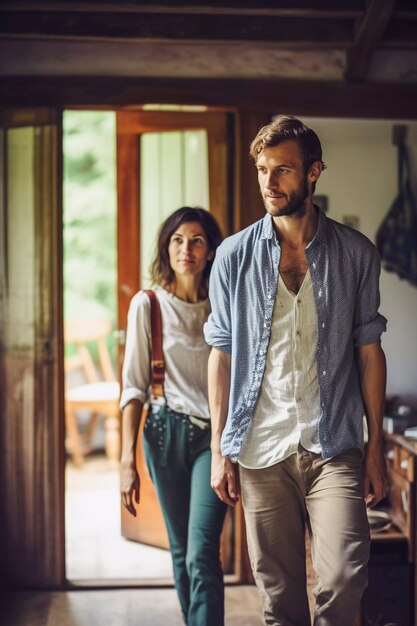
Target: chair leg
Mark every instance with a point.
(112, 438)
(88, 437)
(74, 438)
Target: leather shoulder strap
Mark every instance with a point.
(157, 356)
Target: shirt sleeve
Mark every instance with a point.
(136, 364)
(217, 329)
(369, 324)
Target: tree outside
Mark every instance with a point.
(90, 261)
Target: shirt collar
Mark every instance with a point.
(267, 228)
(321, 234)
(268, 231)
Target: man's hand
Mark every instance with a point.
(375, 476)
(129, 487)
(224, 479)
(373, 373)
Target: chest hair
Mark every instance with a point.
(293, 268)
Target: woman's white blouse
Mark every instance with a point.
(185, 352)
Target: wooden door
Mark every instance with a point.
(148, 526)
(31, 363)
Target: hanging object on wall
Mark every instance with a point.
(396, 238)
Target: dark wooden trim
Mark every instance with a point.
(18, 118)
(313, 98)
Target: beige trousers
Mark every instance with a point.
(327, 496)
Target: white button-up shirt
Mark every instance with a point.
(288, 407)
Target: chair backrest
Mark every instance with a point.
(80, 333)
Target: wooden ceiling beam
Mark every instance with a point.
(294, 8)
(314, 98)
(295, 23)
(175, 27)
(368, 38)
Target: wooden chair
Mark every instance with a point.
(98, 394)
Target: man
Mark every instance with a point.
(296, 362)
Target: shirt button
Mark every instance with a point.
(320, 293)
(314, 266)
(323, 325)
(269, 296)
(324, 372)
(298, 301)
(298, 331)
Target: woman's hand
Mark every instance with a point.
(129, 486)
(129, 477)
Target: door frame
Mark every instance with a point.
(32, 421)
(49, 452)
(131, 125)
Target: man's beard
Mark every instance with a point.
(296, 202)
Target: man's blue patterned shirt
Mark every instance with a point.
(345, 268)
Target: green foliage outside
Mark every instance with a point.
(90, 264)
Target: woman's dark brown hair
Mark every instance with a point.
(160, 269)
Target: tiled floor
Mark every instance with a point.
(95, 549)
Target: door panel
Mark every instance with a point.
(148, 526)
(162, 133)
(31, 402)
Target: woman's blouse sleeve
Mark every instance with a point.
(136, 365)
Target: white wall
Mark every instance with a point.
(361, 180)
(174, 173)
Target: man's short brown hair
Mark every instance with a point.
(286, 128)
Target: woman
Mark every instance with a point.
(177, 430)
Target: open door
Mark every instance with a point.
(165, 159)
(31, 379)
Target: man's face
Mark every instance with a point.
(283, 182)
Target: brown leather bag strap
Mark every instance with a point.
(157, 356)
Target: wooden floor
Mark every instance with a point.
(132, 607)
(95, 549)
(90, 490)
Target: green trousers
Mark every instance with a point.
(179, 461)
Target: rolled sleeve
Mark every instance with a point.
(136, 363)
(217, 329)
(131, 394)
(215, 335)
(369, 323)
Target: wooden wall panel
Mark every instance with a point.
(248, 204)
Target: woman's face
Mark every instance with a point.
(188, 250)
